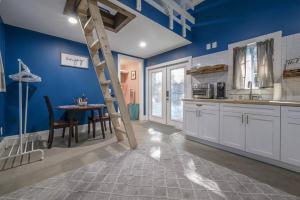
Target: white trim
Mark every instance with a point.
(277, 36)
(43, 135)
(141, 83)
(188, 83)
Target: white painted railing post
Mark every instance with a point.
(168, 8)
(171, 18)
(183, 24)
(139, 5)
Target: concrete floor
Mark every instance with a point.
(172, 144)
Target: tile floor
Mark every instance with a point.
(156, 170)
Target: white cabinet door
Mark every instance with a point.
(190, 121)
(290, 136)
(209, 125)
(232, 130)
(263, 135)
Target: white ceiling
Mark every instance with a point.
(47, 17)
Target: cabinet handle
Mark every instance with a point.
(247, 119)
(198, 104)
(242, 118)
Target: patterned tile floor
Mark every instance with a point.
(153, 171)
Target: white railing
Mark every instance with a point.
(176, 12)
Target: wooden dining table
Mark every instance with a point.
(71, 111)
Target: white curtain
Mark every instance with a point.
(2, 77)
(265, 51)
(239, 67)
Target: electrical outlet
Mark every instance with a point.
(214, 45)
(208, 46)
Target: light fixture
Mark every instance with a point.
(143, 44)
(73, 20)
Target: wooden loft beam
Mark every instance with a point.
(111, 22)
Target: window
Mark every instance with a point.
(251, 74)
(253, 64)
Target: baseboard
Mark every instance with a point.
(246, 154)
(42, 134)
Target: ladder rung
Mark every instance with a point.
(119, 129)
(95, 46)
(109, 99)
(89, 26)
(107, 82)
(115, 115)
(101, 65)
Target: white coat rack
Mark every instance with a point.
(25, 143)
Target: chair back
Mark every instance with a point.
(50, 110)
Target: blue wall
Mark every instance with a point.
(2, 49)
(229, 21)
(42, 54)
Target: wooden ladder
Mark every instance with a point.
(96, 39)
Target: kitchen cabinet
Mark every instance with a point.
(209, 125)
(232, 129)
(263, 135)
(262, 132)
(202, 121)
(254, 129)
(290, 135)
(190, 118)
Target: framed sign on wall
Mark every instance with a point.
(74, 61)
(133, 75)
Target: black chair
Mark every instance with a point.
(59, 124)
(102, 117)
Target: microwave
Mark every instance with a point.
(203, 91)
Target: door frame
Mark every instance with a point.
(178, 124)
(187, 84)
(163, 118)
(141, 82)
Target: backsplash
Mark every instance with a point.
(290, 48)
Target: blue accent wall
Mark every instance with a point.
(42, 54)
(229, 21)
(2, 49)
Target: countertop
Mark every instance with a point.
(255, 102)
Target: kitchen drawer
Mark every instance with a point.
(251, 109)
(292, 112)
(203, 105)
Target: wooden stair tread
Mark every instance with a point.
(101, 65)
(106, 82)
(120, 129)
(115, 115)
(109, 99)
(95, 46)
(89, 26)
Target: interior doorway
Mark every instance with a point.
(131, 76)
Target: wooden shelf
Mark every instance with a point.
(292, 73)
(208, 69)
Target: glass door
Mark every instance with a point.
(175, 94)
(157, 95)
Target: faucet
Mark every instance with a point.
(250, 86)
